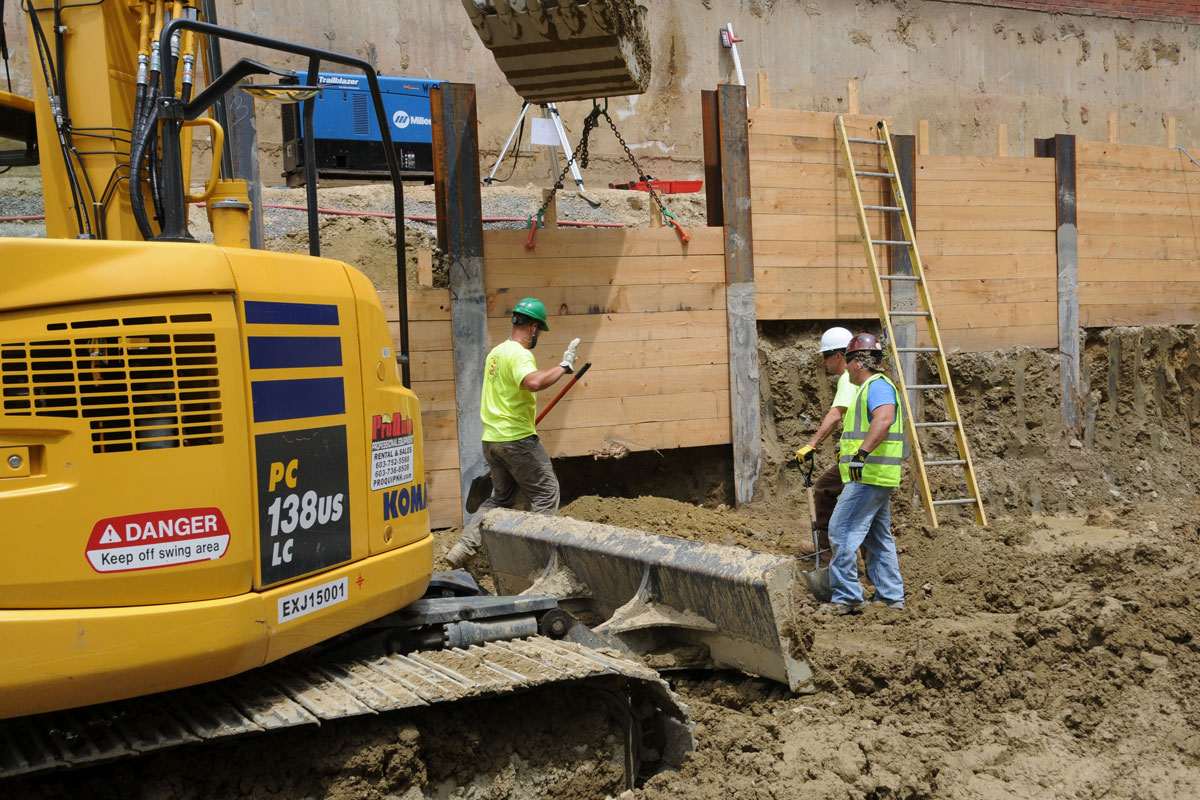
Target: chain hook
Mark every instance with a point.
(533, 226)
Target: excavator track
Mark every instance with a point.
(300, 693)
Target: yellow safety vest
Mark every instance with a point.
(882, 467)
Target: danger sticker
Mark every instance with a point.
(158, 539)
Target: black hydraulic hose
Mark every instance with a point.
(140, 111)
(82, 221)
(151, 147)
(137, 152)
(60, 54)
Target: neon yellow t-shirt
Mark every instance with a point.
(507, 410)
(846, 391)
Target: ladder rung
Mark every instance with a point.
(866, 141)
(909, 313)
(917, 349)
(875, 174)
(962, 501)
(935, 424)
(899, 277)
(895, 242)
(883, 208)
(912, 386)
(951, 463)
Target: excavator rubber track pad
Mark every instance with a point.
(299, 692)
(552, 51)
(680, 604)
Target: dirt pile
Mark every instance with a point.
(1051, 655)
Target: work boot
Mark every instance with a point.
(898, 605)
(841, 609)
(460, 555)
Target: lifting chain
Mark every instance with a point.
(670, 218)
(580, 156)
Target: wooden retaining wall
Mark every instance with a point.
(808, 255)
(985, 230)
(651, 316)
(1139, 235)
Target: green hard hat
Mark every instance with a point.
(532, 308)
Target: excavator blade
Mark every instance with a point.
(555, 50)
(297, 692)
(679, 604)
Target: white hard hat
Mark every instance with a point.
(835, 339)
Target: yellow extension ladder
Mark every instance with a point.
(925, 309)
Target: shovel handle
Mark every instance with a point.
(564, 390)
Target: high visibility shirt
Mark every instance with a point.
(507, 410)
(882, 467)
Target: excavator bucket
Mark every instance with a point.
(679, 604)
(555, 50)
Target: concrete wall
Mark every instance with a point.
(963, 66)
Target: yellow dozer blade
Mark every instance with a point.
(555, 50)
(680, 604)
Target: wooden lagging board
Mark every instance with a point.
(808, 257)
(650, 314)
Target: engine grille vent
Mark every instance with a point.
(362, 114)
(142, 383)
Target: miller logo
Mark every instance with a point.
(401, 119)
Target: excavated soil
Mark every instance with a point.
(1050, 655)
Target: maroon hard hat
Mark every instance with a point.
(864, 341)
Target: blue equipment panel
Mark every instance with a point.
(346, 133)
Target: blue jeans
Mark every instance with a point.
(863, 517)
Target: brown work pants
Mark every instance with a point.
(826, 491)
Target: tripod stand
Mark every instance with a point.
(552, 111)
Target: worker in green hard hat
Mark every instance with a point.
(507, 408)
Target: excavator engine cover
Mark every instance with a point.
(678, 603)
(555, 50)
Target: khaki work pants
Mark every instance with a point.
(525, 465)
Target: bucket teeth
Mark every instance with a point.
(566, 50)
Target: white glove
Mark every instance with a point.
(568, 362)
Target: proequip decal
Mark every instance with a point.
(402, 119)
(157, 539)
(402, 502)
(391, 451)
(303, 502)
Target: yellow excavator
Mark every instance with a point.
(213, 507)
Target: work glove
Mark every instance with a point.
(568, 362)
(805, 454)
(856, 466)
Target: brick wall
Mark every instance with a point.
(1163, 10)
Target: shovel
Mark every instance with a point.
(481, 487)
(818, 577)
